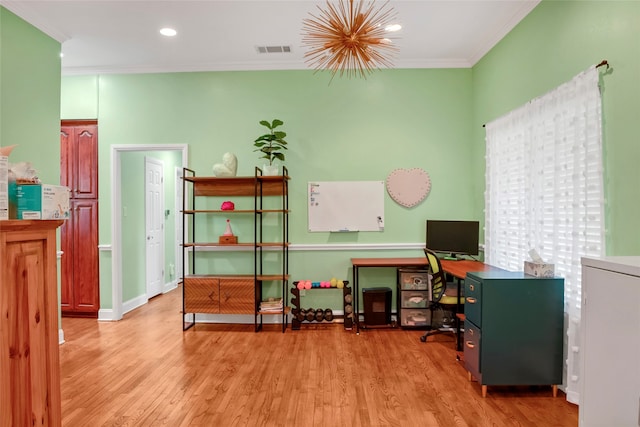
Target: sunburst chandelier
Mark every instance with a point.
(349, 37)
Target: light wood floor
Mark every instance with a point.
(145, 371)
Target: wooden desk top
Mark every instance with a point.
(389, 262)
(460, 268)
(457, 269)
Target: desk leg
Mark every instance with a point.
(356, 293)
(458, 328)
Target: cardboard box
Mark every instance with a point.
(38, 201)
(4, 187)
(538, 269)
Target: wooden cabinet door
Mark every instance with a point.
(29, 358)
(66, 263)
(80, 293)
(80, 282)
(79, 160)
(201, 294)
(237, 296)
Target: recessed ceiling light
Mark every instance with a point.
(393, 27)
(169, 32)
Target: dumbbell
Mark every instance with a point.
(310, 314)
(319, 315)
(328, 315)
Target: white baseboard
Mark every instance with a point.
(134, 303)
(105, 315)
(168, 287)
(60, 336)
(572, 396)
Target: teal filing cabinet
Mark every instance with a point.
(513, 331)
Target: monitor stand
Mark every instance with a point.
(451, 257)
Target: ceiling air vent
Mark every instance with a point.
(273, 49)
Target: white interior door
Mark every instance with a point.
(154, 225)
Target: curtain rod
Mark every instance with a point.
(601, 64)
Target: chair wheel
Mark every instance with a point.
(423, 338)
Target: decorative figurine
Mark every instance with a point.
(227, 237)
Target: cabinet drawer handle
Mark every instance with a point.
(470, 344)
(471, 300)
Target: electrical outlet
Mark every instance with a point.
(303, 292)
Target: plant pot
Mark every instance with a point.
(270, 170)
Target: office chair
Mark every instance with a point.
(439, 301)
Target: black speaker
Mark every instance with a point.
(377, 306)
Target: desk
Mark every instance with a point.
(459, 270)
(358, 263)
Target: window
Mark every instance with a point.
(544, 191)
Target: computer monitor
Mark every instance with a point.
(453, 237)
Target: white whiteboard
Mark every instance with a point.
(346, 206)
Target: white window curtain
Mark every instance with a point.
(544, 191)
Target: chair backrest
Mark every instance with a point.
(438, 279)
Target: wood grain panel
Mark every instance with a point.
(85, 262)
(237, 296)
(202, 295)
(29, 362)
(86, 163)
(238, 186)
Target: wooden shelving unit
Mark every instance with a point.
(241, 293)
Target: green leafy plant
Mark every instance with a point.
(272, 143)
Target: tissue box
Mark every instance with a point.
(538, 269)
(38, 201)
(4, 187)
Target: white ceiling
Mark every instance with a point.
(122, 36)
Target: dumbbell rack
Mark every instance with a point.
(297, 312)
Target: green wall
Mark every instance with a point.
(556, 41)
(349, 130)
(30, 96)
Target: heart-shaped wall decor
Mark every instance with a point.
(408, 187)
(228, 167)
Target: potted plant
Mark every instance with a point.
(271, 145)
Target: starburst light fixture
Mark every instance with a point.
(350, 36)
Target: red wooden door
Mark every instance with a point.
(80, 288)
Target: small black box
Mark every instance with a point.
(377, 306)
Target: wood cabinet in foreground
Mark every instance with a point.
(29, 357)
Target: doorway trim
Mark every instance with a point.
(116, 214)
